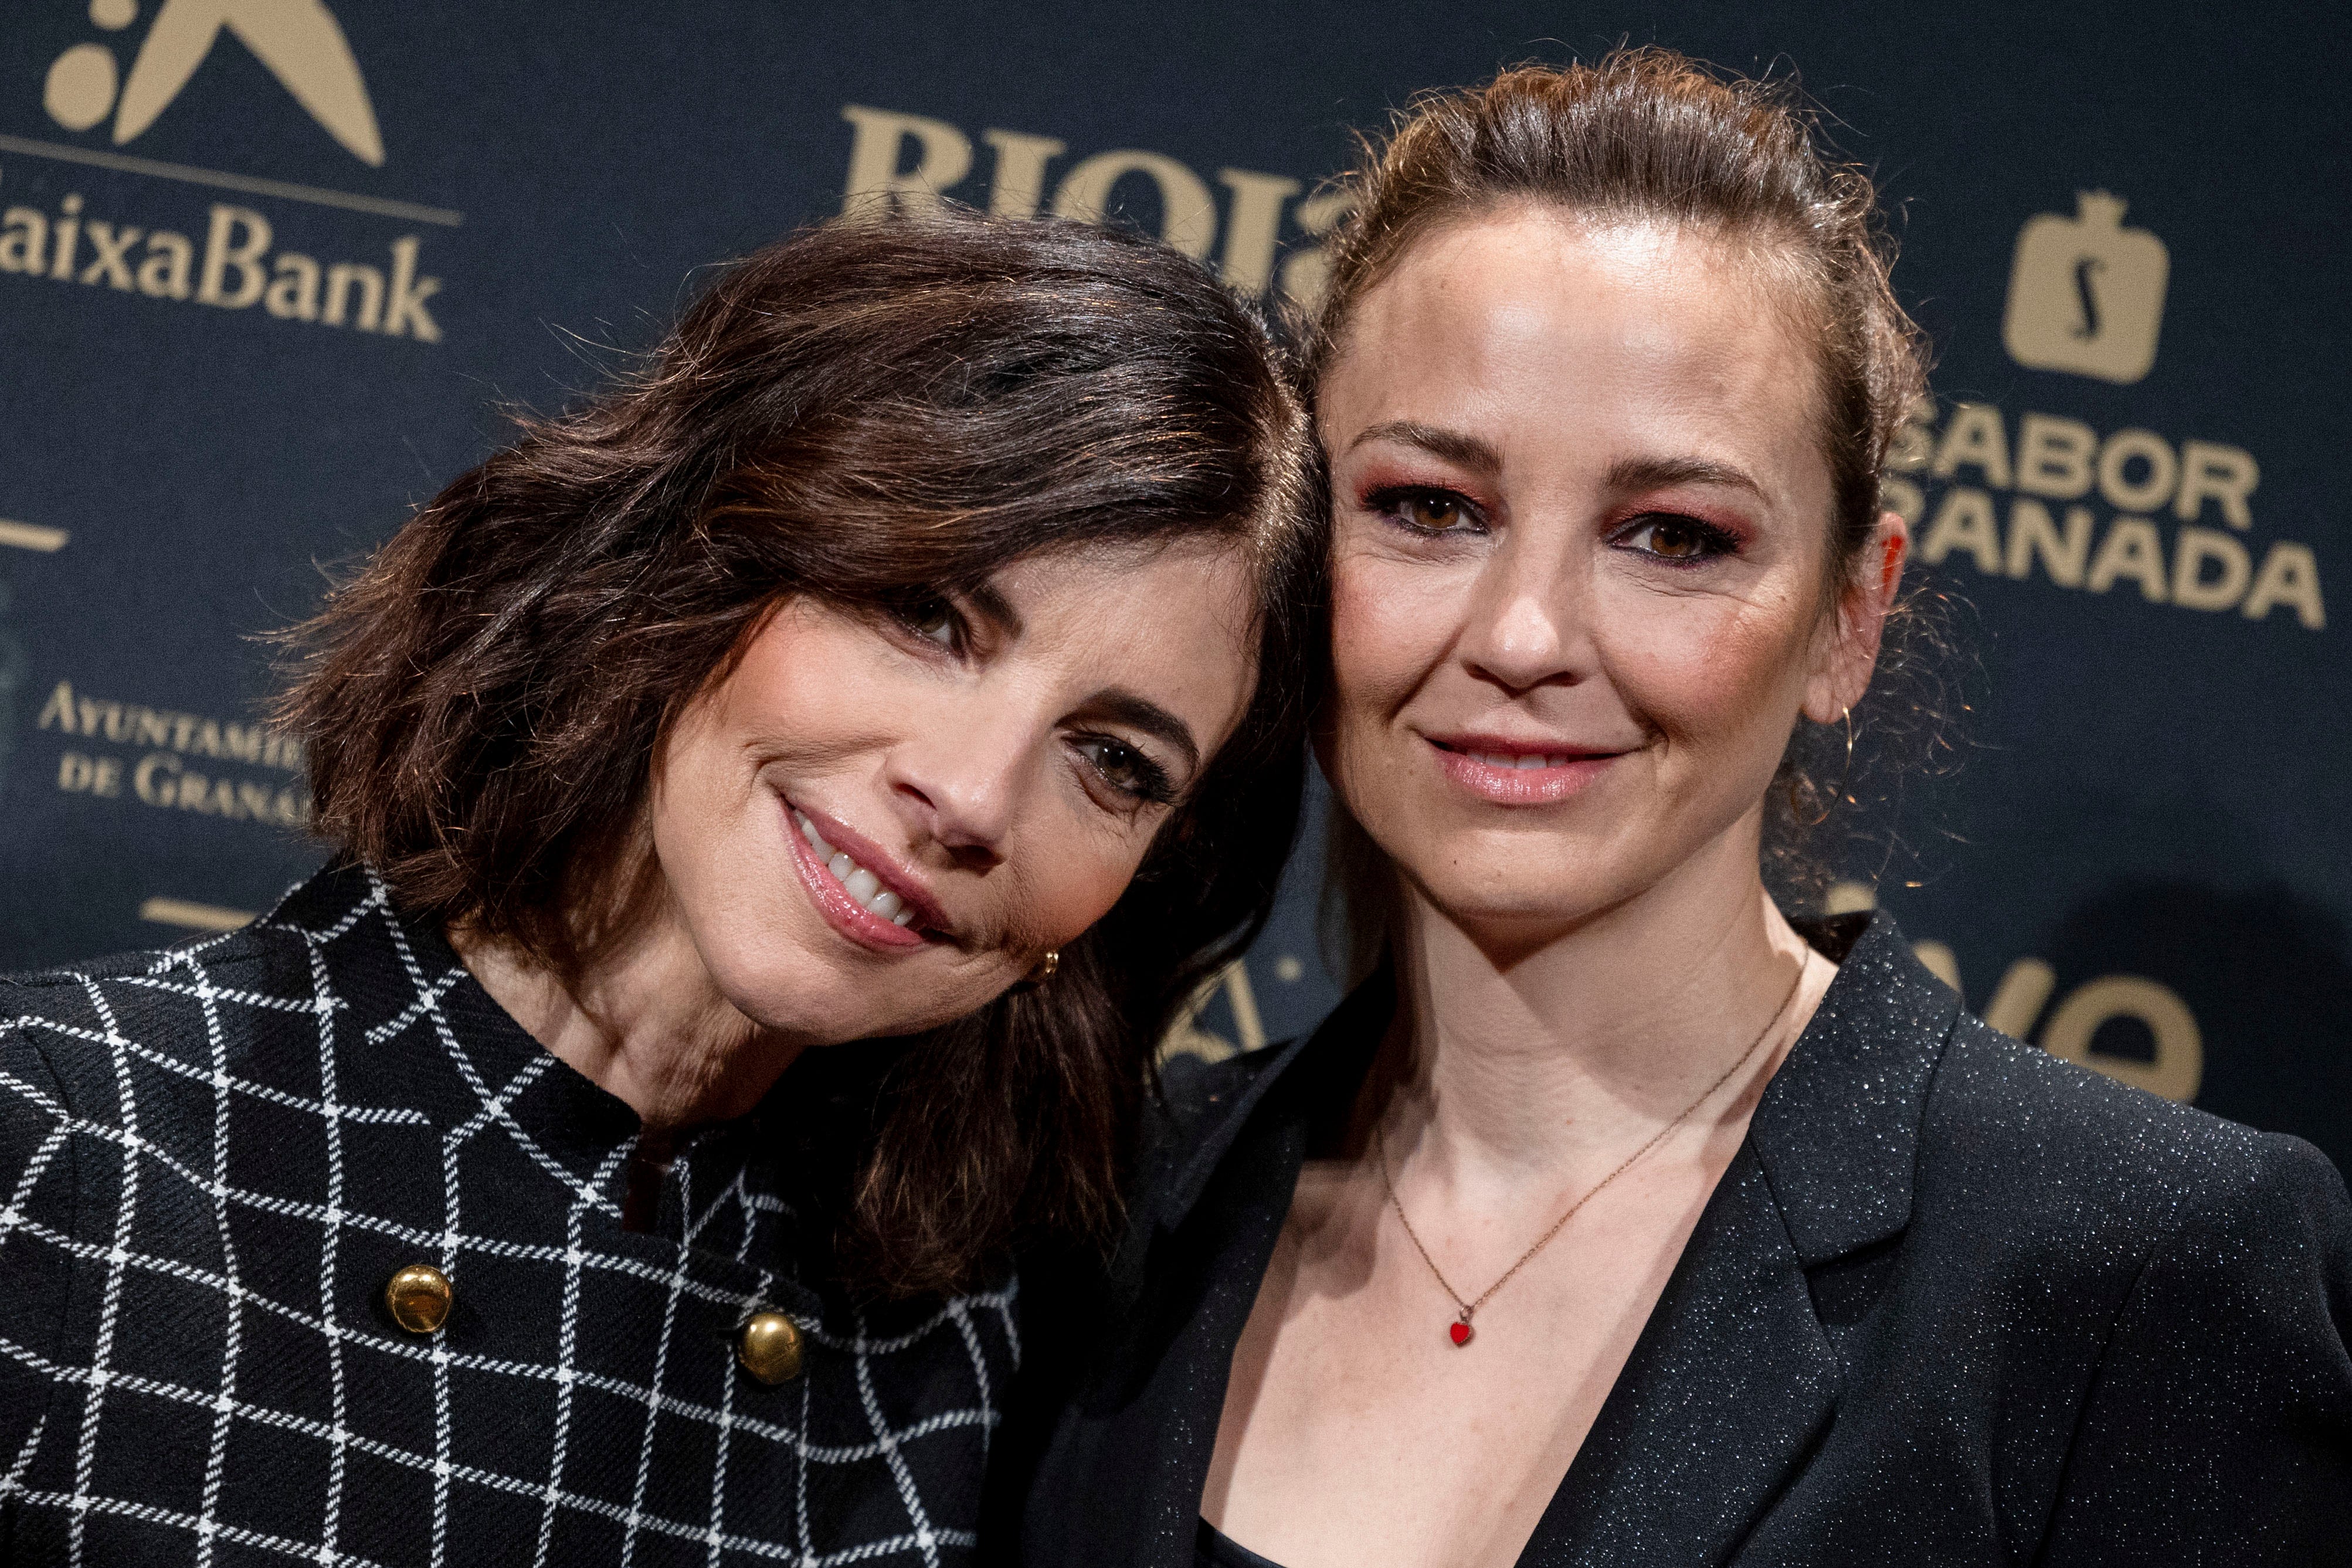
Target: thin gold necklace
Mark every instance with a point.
(1459, 1330)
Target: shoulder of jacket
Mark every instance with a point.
(1198, 1095)
(1194, 1087)
(68, 1013)
(2079, 1138)
(25, 1067)
(260, 942)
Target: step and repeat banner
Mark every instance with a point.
(270, 268)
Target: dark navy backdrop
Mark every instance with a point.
(358, 228)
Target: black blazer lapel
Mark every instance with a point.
(1182, 1287)
(1731, 1383)
(1735, 1376)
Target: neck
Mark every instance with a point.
(638, 1015)
(1513, 1057)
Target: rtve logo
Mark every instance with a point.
(2086, 294)
(297, 40)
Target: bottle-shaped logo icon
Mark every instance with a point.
(2086, 294)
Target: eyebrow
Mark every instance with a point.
(1117, 704)
(990, 602)
(1659, 473)
(1625, 474)
(1143, 713)
(1454, 446)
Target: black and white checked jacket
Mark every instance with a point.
(213, 1158)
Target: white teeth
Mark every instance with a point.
(860, 884)
(1496, 760)
(816, 842)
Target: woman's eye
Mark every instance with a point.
(1426, 512)
(1436, 513)
(1677, 539)
(1125, 769)
(933, 620)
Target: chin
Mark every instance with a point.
(1521, 890)
(1534, 907)
(824, 1019)
(838, 1008)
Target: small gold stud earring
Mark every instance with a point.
(1045, 968)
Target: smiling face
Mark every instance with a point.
(1582, 515)
(878, 823)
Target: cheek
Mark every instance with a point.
(808, 695)
(816, 684)
(1390, 622)
(818, 697)
(1073, 881)
(685, 802)
(1711, 671)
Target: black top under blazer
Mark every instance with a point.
(1953, 1303)
(214, 1157)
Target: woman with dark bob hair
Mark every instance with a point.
(906, 661)
(1616, 1218)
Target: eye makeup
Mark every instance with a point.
(1126, 769)
(1676, 539)
(1429, 511)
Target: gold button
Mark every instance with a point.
(769, 1349)
(419, 1298)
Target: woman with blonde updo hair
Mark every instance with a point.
(1616, 1217)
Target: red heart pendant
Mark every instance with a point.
(1461, 1332)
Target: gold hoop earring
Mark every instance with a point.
(1044, 969)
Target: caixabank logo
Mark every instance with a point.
(2044, 496)
(299, 40)
(226, 254)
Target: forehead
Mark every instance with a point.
(1176, 622)
(1553, 327)
(1070, 594)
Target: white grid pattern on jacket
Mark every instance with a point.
(141, 1198)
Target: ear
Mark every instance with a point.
(1849, 649)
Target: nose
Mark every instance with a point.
(962, 779)
(1527, 624)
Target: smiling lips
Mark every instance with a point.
(1511, 773)
(853, 897)
(861, 884)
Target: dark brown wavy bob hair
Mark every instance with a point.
(871, 414)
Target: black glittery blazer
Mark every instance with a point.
(214, 1158)
(1953, 1303)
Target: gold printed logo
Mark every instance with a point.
(304, 48)
(2086, 294)
(299, 41)
(881, 180)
